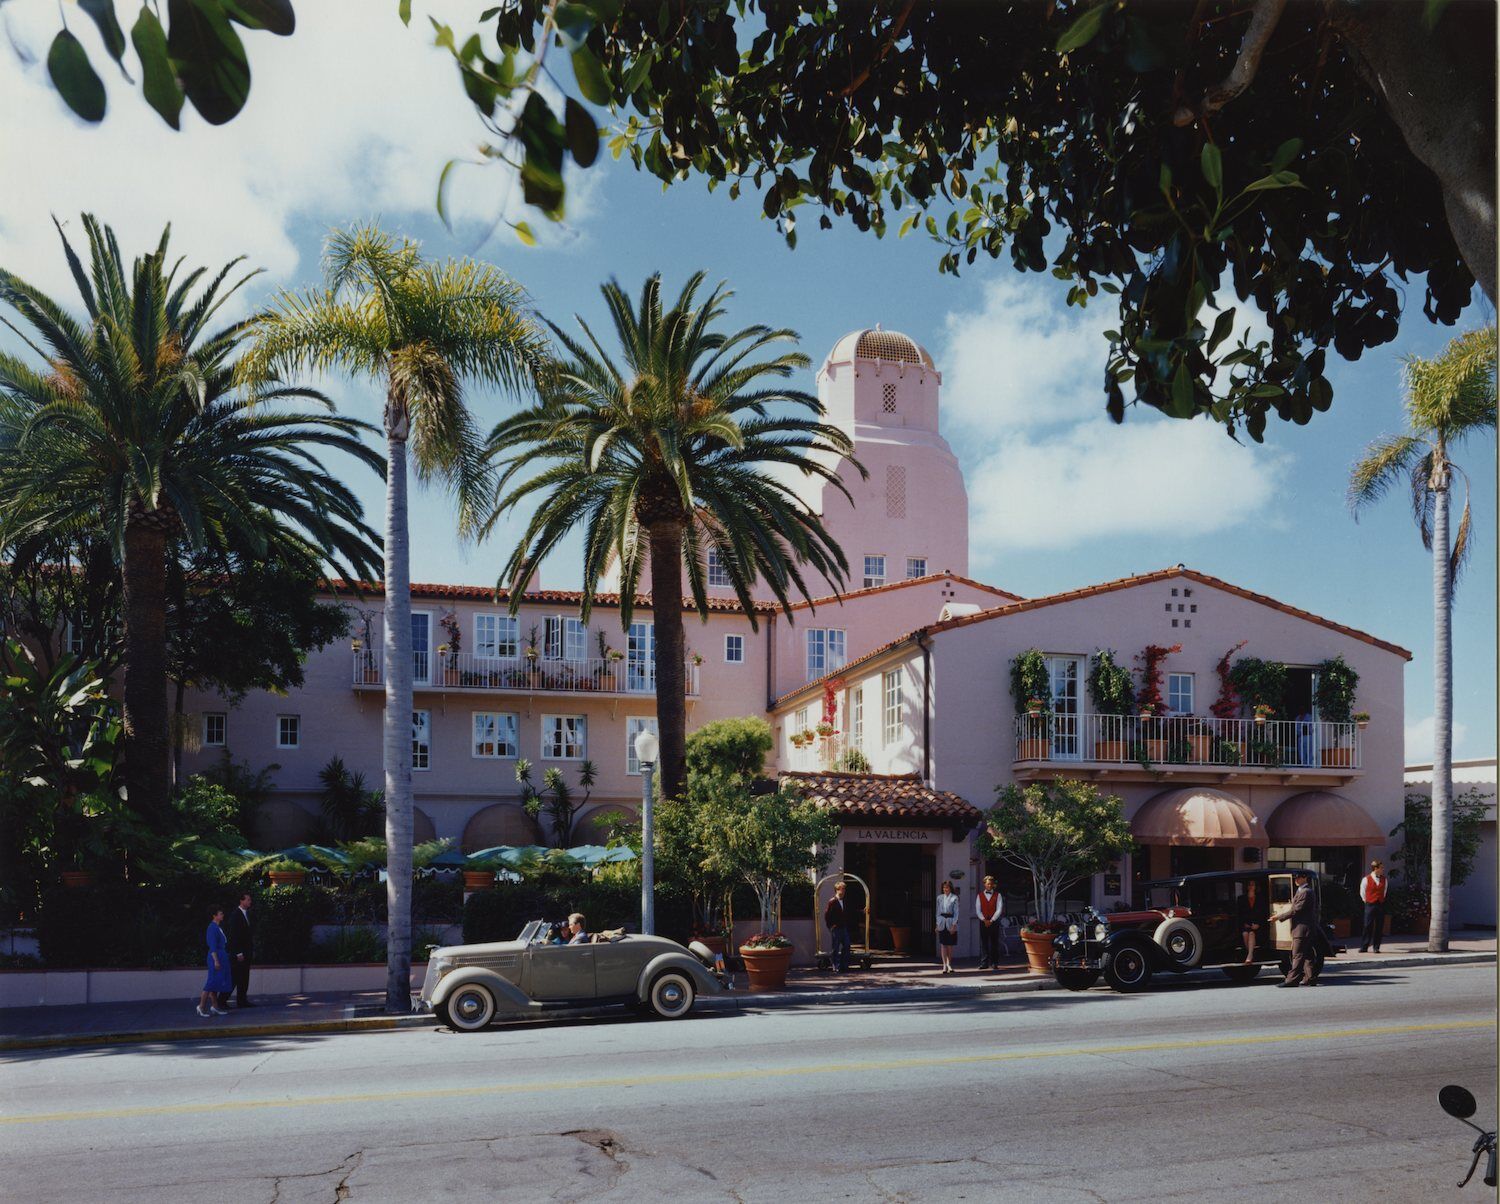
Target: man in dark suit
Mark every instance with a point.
(836, 916)
(1302, 911)
(240, 937)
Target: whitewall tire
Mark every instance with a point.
(470, 1008)
(671, 996)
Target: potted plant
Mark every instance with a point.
(1031, 682)
(1200, 739)
(1037, 937)
(1035, 706)
(286, 872)
(768, 957)
(696, 658)
(1263, 711)
(825, 729)
(1058, 832)
(1361, 719)
(1113, 694)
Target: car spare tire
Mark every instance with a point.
(1181, 941)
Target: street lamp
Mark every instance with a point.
(646, 746)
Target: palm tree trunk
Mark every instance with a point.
(179, 735)
(671, 655)
(1442, 703)
(398, 723)
(148, 753)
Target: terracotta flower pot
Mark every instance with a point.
(1200, 749)
(766, 968)
(1038, 951)
(1111, 750)
(1338, 758)
(77, 879)
(1156, 751)
(479, 880)
(287, 877)
(900, 937)
(1032, 750)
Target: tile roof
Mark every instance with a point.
(883, 796)
(570, 597)
(905, 583)
(1106, 587)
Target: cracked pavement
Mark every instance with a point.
(1197, 1091)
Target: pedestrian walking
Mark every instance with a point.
(1302, 911)
(219, 980)
(1372, 891)
(988, 908)
(241, 935)
(947, 924)
(836, 917)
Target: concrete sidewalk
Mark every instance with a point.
(359, 1011)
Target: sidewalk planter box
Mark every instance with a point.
(766, 968)
(1338, 758)
(478, 880)
(1038, 951)
(1111, 750)
(1033, 749)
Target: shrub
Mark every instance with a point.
(1259, 682)
(1110, 685)
(737, 746)
(1029, 679)
(283, 924)
(851, 760)
(349, 946)
(1336, 685)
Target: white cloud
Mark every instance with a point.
(1024, 359)
(351, 117)
(1419, 735)
(1096, 480)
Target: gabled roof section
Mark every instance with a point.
(884, 796)
(905, 583)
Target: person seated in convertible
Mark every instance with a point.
(578, 929)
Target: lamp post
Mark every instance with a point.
(646, 746)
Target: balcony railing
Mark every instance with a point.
(1185, 740)
(465, 671)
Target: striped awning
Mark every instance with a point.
(1198, 815)
(1320, 817)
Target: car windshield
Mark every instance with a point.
(534, 932)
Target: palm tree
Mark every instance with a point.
(665, 458)
(130, 425)
(1447, 399)
(419, 329)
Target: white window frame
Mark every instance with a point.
(640, 657)
(876, 578)
(552, 637)
(827, 650)
(634, 726)
(857, 716)
(72, 641)
(506, 641)
(575, 640)
(1191, 693)
(734, 649)
(581, 730)
(715, 571)
(495, 740)
(281, 731)
(223, 719)
(916, 566)
(891, 716)
(430, 650)
(421, 749)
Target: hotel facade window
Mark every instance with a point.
(1180, 693)
(874, 571)
(634, 726)
(890, 692)
(214, 723)
(565, 737)
(73, 639)
(288, 731)
(916, 566)
(717, 570)
(857, 717)
(734, 649)
(496, 636)
(421, 739)
(495, 734)
(825, 650)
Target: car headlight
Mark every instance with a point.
(441, 966)
(1101, 931)
(1074, 932)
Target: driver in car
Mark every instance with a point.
(576, 927)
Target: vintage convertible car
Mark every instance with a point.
(468, 986)
(1189, 923)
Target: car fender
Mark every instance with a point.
(706, 983)
(1156, 956)
(509, 998)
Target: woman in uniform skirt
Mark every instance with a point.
(947, 924)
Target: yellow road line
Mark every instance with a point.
(709, 1076)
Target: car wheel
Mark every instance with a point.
(1076, 980)
(1127, 969)
(469, 1009)
(671, 996)
(1241, 973)
(1181, 940)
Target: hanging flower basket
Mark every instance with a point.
(1361, 719)
(1147, 712)
(1034, 707)
(1263, 712)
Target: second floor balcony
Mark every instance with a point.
(521, 674)
(1054, 745)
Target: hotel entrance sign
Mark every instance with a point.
(891, 835)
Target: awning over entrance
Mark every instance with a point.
(1320, 817)
(899, 798)
(1198, 815)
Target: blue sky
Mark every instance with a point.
(1059, 498)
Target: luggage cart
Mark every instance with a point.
(864, 955)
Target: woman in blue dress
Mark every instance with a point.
(219, 980)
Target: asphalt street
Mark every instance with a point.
(1198, 1090)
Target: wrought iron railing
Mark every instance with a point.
(1186, 740)
(466, 671)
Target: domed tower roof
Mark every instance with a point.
(877, 344)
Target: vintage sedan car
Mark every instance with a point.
(469, 986)
(1189, 923)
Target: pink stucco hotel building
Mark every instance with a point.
(913, 661)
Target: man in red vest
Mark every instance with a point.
(987, 910)
(1372, 892)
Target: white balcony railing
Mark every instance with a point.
(1185, 740)
(466, 671)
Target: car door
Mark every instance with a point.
(558, 973)
(1280, 886)
(618, 964)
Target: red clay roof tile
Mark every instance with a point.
(883, 796)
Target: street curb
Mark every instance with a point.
(737, 1001)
